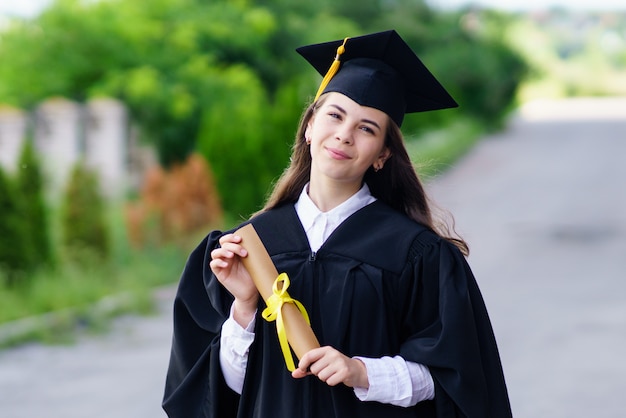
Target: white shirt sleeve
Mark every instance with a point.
(235, 344)
(396, 381)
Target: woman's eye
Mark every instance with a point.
(335, 115)
(367, 129)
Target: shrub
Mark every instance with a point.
(174, 203)
(30, 186)
(83, 222)
(15, 250)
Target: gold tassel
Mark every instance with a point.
(332, 70)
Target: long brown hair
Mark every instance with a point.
(396, 184)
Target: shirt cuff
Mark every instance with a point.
(396, 381)
(235, 344)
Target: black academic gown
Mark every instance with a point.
(381, 285)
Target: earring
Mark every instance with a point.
(376, 168)
(308, 141)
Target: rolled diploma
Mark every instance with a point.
(263, 272)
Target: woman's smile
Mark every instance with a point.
(337, 154)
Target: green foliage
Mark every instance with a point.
(178, 67)
(84, 224)
(16, 253)
(572, 53)
(466, 52)
(221, 77)
(59, 300)
(30, 186)
(239, 134)
(483, 76)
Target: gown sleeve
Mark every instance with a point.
(195, 386)
(447, 328)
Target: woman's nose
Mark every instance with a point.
(344, 134)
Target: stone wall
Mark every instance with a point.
(57, 136)
(65, 132)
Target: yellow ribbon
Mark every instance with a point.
(273, 312)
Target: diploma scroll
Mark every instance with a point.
(260, 266)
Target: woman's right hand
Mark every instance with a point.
(227, 266)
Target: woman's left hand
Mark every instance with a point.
(332, 367)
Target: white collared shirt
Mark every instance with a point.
(392, 380)
(319, 225)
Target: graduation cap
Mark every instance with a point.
(378, 70)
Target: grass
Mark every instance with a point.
(52, 303)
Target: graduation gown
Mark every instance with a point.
(381, 285)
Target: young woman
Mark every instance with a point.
(402, 325)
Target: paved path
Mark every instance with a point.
(544, 209)
(120, 374)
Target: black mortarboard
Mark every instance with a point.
(378, 70)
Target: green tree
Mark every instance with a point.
(30, 186)
(466, 51)
(179, 65)
(221, 76)
(157, 59)
(84, 223)
(15, 250)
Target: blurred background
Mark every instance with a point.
(129, 129)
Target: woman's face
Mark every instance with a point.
(346, 139)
